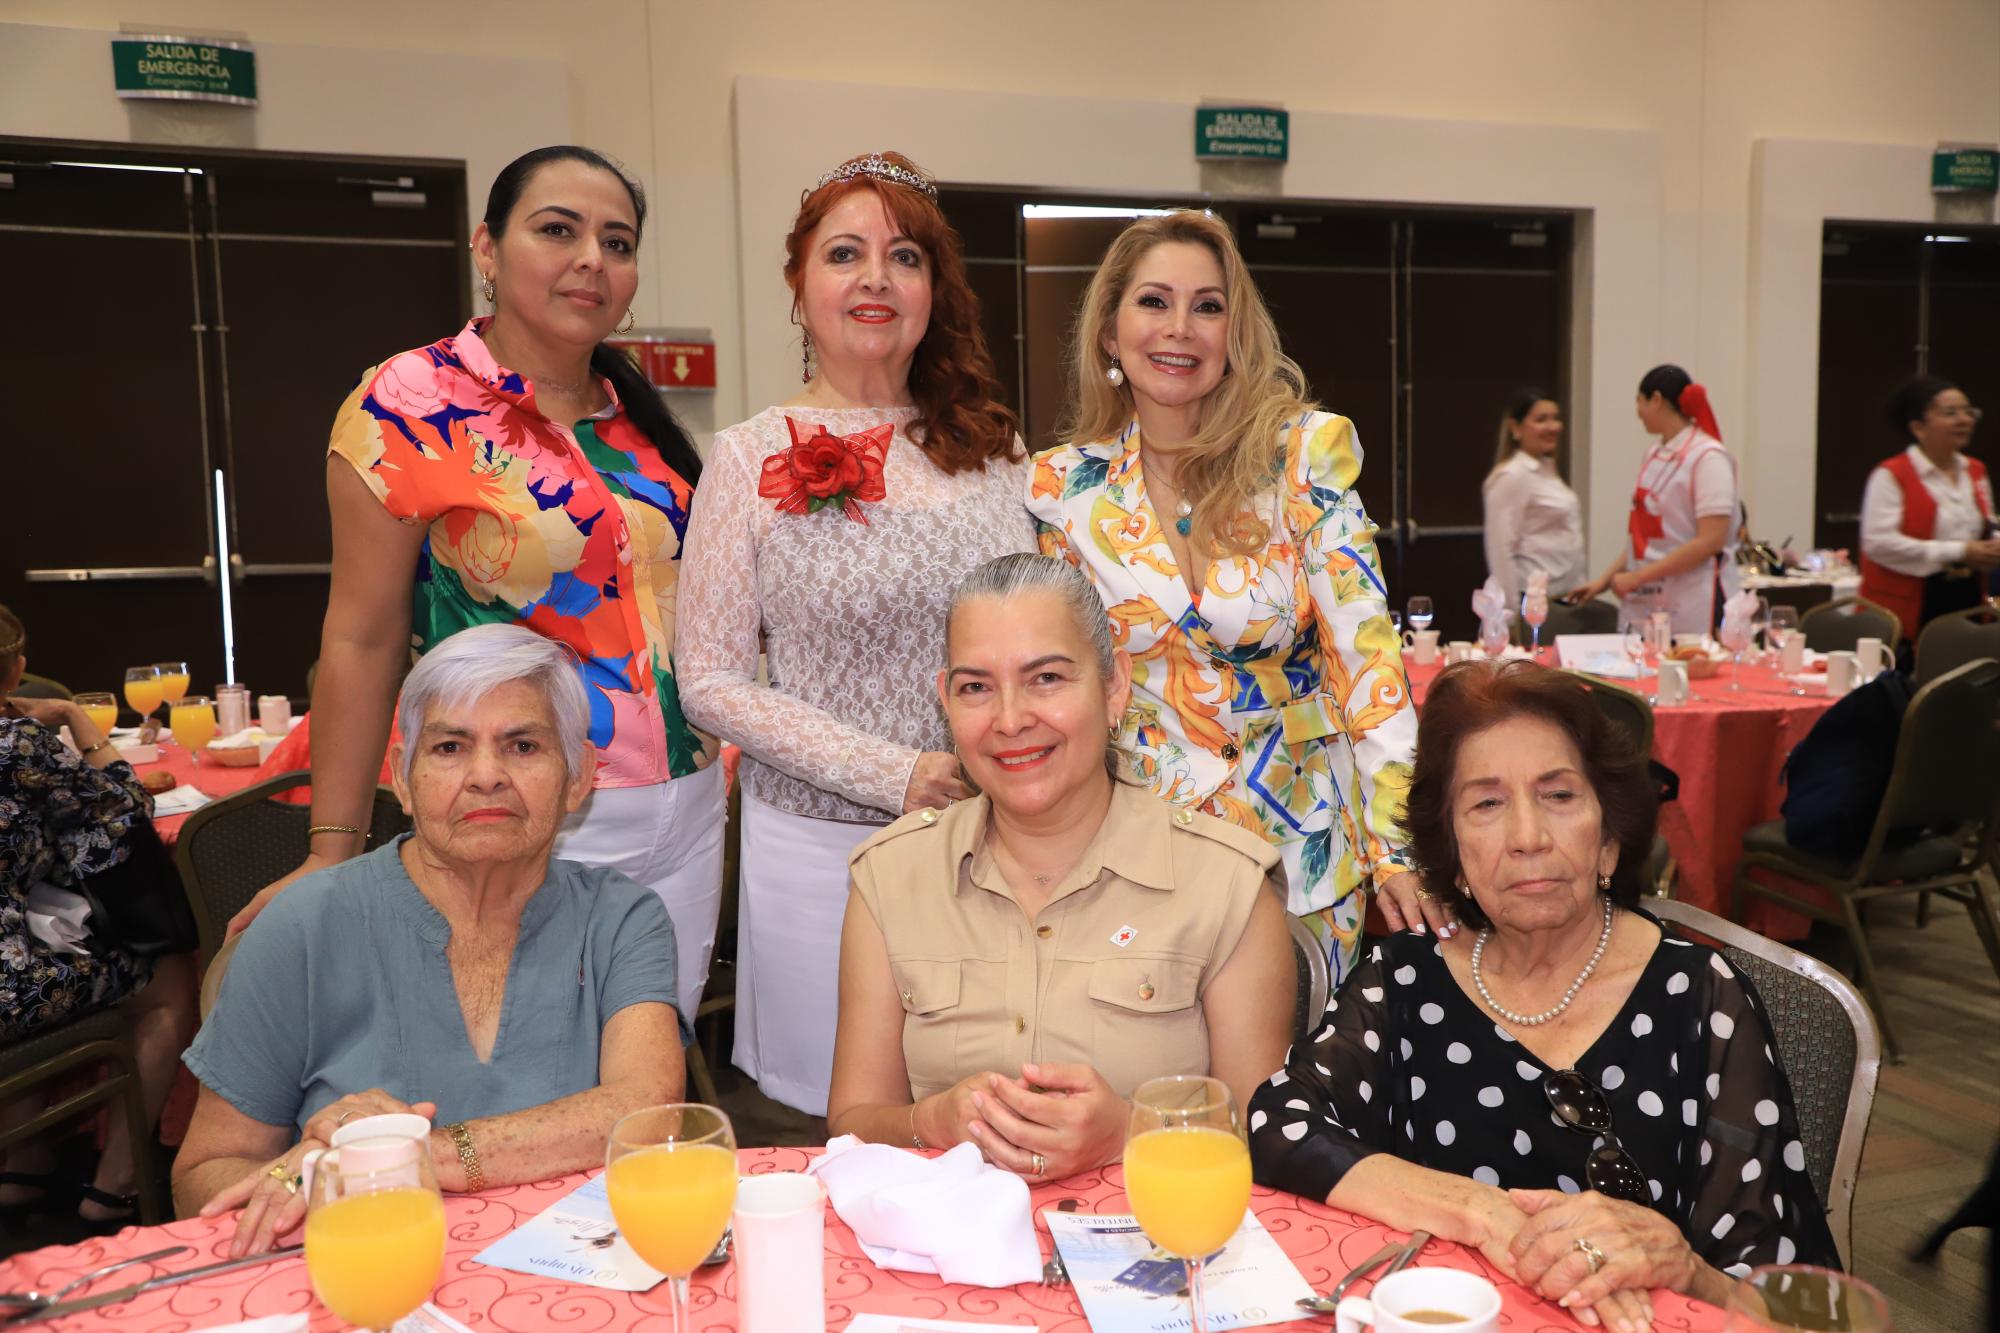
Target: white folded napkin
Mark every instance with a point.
(270, 1323)
(179, 801)
(955, 1215)
(58, 917)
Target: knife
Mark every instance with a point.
(82, 1303)
(1418, 1239)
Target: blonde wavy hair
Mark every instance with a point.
(1238, 453)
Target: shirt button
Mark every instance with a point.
(929, 816)
(907, 998)
(1229, 751)
(1020, 1024)
(1184, 816)
(1145, 990)
(1045, 931)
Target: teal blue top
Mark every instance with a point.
(342, 985)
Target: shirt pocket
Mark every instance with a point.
(1146, 1019)
(930, 991)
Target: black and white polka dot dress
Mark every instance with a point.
(1408, 1063)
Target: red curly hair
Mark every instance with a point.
(960, 420)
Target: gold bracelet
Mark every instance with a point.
(318, 829)
(468, 1156)
(916, 1139)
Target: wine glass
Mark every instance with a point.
(193, 721)
(1187, 1173)
(670, 1173)
(1494, 632)
(101, 708)
(1798, 1298)
(143, 690)
(1780, 625)
(1535, 611)
(1735, 634)
(1420, 613)
(173, 680)
(374, 1230)
(1633, 641)
(1396, 623)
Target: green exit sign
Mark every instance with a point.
(1965, 171)
(187, 69)
(1254, 132)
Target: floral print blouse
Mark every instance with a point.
(572, 529)
(60, 821)
(1275, 696)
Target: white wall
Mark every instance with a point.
(1697, 82)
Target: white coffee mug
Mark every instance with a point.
(1421, 645)
(376, 1139)
(1390, 1307)
(1792, 657)
(1673, 681)
(1843, 673)
(1873, 656)
(780, 1225)
(1458, 650)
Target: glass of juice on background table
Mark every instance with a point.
(670, 1173)
(173, 680)
(193, 721)
(1187, 1173)
(374, 1230)
(143, 690)
(101, 708)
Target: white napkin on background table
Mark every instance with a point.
(180, 800)
(955, 1215)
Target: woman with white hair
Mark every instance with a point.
(522, 1002)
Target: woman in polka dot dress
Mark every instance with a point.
(1593, 1103)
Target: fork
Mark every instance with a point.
(35, 1300)
(1054, 1274)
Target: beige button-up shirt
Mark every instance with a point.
(1110, 973)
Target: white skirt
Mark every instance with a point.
(788, 913)
(667, 836)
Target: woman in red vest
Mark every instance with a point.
(1927, 530)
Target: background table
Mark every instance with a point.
(212, 780)
(1728, 748)
(1323, 1243)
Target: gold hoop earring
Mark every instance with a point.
(630, 320)
(486, 289)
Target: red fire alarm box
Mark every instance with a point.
(672, 358)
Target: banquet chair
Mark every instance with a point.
(718, 996)
(1933, 834)
(1315, 979)
(41, 687)
(1836, 626)
(1827, 1040)
(70, 1053)
(231, 848)
(1593, 617)
(1953, 640)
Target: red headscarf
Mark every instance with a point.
(1694, 405)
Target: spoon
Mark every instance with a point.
(1397, 1254)
(35, 1300)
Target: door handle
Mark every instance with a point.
(325, 567)
(117, 573)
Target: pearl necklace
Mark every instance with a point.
(1536, 1020)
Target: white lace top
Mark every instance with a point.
(852, 616)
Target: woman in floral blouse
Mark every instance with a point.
(831, 531)
(63, 819)
(1215, 509)
(521, 471)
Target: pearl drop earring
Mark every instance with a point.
(1116, 374)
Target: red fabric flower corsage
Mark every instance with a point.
(826, 469)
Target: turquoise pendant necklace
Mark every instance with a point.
(1183, 517)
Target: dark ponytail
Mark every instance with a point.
(640, 400)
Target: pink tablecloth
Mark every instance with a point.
(207, 778)
(1728, 747)
(1322, 1242)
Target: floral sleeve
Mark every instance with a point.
(62, 819)
(1330, 1106)
(1363, 655)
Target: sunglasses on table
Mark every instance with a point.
(1582, 1106)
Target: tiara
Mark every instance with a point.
(882, 169)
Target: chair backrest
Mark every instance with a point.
(1593, 617)
(41, 687)
(1622, 708)
(1953, 640)
(229, 849)
(1947, 772)
(1315, 978)
(1829, 1045)
(1838, 625)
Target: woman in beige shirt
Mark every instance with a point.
(1012, 968)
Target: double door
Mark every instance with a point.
(184, 326)
(1416, 324)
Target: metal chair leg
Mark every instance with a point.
(1865, 964)
(699, 1075)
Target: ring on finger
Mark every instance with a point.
(1040, 1163)
(1592, 1255)
(343, 1117)
(283, 1176)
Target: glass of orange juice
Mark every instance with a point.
(143, 690)
(173, 680)
(101, 708)
(193, 721)
(1187, 1173)
(670, 1173)
(374, 1229)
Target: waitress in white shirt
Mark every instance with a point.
(1927, 527)
(1534, 522)
(1681, 557)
